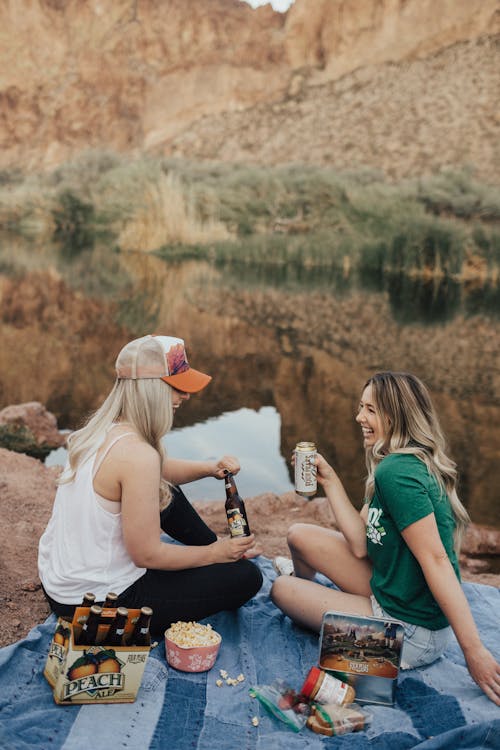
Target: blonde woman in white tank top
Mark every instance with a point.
(119, 495)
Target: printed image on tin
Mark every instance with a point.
(361, 645)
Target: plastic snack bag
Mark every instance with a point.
(332, 719)
(281, 701)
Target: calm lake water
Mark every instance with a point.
(289, 350)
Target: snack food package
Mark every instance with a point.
(331, 719)
(283, 702)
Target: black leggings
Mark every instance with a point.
(192, 593)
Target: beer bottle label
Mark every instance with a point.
(236, 522)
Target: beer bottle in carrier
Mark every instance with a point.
(88, 599)
(114, 636)
(88, 636)
(140, 634)
(235, 509)
(110, 601)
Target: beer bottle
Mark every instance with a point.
(114, 636)
(110, 601)
(140, 634)
(235, 509)
(88, 635)
(88, 599)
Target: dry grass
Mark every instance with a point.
(167, 216)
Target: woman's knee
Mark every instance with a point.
(301, 536)
(280, 591)
(296, 534)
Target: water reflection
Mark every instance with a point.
(426, 301)
(289, 276)
(483, 298)
(289, 351)
(412, 299)
(252, 435)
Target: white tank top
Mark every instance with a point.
(82, 548)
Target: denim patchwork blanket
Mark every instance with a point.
(438, 706)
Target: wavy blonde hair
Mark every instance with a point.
(145, 404)
(411, 426)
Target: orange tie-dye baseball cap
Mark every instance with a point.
(160, 357)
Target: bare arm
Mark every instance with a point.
(180, 471)
(139, 476)
(422, 537)
(351, 522)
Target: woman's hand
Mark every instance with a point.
(324, 472)
(348, 520)
(225, 464)
(485, 670)
(232, 549)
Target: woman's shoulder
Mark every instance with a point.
(400, 463)
(129, 446)
(392, 459)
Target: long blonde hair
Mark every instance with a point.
(411, 426)
(145, 404)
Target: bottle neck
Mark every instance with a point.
(230, 485)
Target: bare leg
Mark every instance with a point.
(305, 602)
(318, 550)
(313, 550)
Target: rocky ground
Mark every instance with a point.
(27, 489)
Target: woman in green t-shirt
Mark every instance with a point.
(397, 557)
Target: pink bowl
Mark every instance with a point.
(192, 659)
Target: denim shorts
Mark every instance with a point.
(420, 645)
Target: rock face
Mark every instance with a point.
(126, 75)
(135, 76)
(336, 37)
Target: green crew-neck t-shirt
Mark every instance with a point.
(405, 492)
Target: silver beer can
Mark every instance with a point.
(305, 469)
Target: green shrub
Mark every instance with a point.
(74, 223)
(289, 213)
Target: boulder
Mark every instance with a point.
(481, 540)
(30, 428)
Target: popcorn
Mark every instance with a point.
(232, 681)
(192, 634)
(255, 721)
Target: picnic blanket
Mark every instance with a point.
(436, 707)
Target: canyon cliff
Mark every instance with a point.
(404, 86)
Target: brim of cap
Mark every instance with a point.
(190, 381)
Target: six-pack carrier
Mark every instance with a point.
(95, 673)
